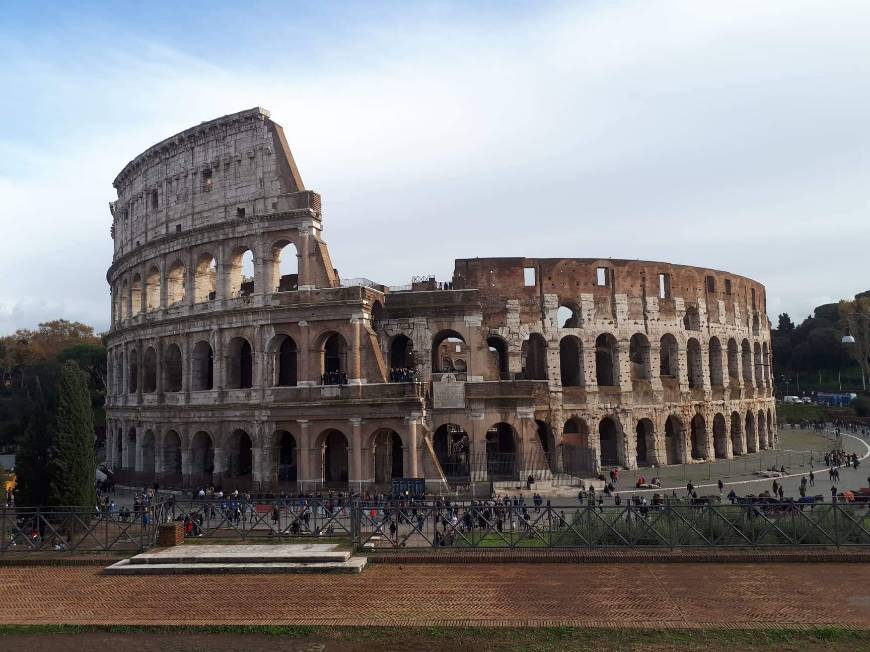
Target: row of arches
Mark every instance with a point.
(149, 290)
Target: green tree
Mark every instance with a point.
(785, 325)
(33, 457)
(73, 460)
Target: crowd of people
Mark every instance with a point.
(403, 375)
(333, 378)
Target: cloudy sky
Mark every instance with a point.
(731, 134)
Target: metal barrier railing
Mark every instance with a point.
(495, 525)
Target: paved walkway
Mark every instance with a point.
(599, 595)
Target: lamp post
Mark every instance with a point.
(848, 340)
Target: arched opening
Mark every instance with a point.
(242, 273)
(762, 430)
(445, 346)
(175, 283)
(172, 369)
(287, 468)
(638, 354)
(452, 450)
(388, 455)
(130, 450)
(334, 360)
(751, 441)
(205, 281)
(673, 440)
(694, 363)
(402, 366)
(149, 364)
(608, 433)
(669, 358)
(733, 362)
(152, 289)
(568, 316)
(746, 362)
(378, 314)
(720, 437)
(119, 449)
(239, 454)
(203, 367)
(148, 449)
(202, 455)
(645, 433)
(571, 361)
(736, 434)
(240, 364)
(287, 356)
(756, 328)
(765, 362)
(606, 361)
(501, 453)
(498, 358)
(172, 453)
(715, 355)
(286, 264)
(699, 438)
(692, 319)
(125, 301)
(133, 373)
(136, 295)
(334, 459)
(534, 357)
(545, 436)
(759, 366)
(578, 457)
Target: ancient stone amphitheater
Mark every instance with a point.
(239, 357)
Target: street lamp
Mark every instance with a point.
(848, 338)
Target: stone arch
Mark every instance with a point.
(717, 378)
(152, 289)
(534, 357)
(285, 267)
(568, 315)
(571, 361)
(608, 442)
(501, 452)
(136, 295)
(578, 457)
(669, 360)
(452, 447)
(205, 278)
(751, 440)
(720, 436)
(606, 360)
(149, 371)
(285, 353)
(388, 455)
(692, 319)
(444, 345)
(171, 461)
(148, 454)
(176, 282)
(203, 367)
(334, 459)
(130, 450)
(287, 456)
(733, 361)
(172, 368)
(240, 364)
(498, 358)
(645, 444)
(639, 355)
(699, 438)
(674, 437)
(737, 443)
(746, 362)
(333, 358)
(402, 365)
(202, 455)
(242, 272)
(694, 363)
(239, 454)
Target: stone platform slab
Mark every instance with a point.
(251, 559)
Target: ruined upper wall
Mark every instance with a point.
(500, 279)
(235, 166)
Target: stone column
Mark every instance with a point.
(355, 362)
(304, 280)
(411, 455)
(138, 464)
(305, 357)
(305, 455)
(355, 476)
(218, 462)
(158, 449)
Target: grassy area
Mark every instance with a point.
(794, 413)
(453, 638)
(801, 440)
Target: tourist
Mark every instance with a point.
(721, 486)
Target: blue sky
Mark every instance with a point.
(732, 135)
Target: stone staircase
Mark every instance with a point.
(251, 559)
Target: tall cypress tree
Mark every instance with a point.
(32, 460)
(73, 459)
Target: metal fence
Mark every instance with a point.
(384, 527)
(80, 529)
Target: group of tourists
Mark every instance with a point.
(334, 378)
(403, 375)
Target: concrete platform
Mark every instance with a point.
(254, 559)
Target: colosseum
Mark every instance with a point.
(239, 357)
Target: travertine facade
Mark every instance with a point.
(285, 374)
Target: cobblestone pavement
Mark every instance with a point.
(599, 595)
